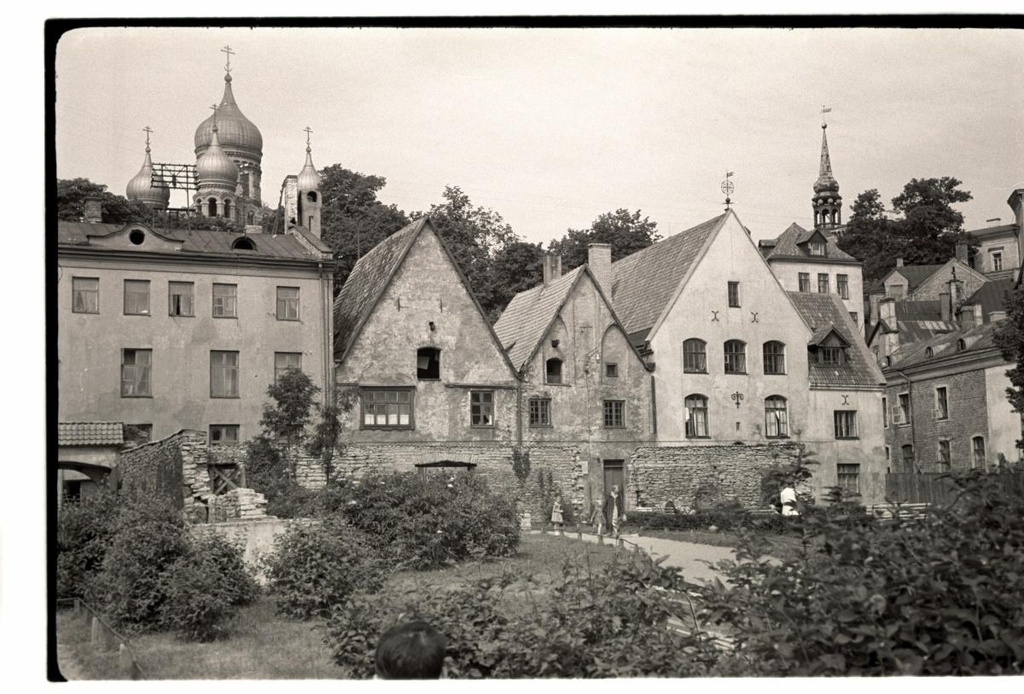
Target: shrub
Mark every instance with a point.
(84, 534)
(317, 566)
(723, 519)
(148, 537)
(433, 520)
(939, 595)
(203, 589)
(612, 623)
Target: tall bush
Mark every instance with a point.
(84, 534)
(435, 519)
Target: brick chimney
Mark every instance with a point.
(552, 267)
(93, 210)
(961, 252)
(599, 258)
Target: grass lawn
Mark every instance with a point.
(264, 645)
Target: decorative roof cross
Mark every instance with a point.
(147, 130)
(227, 50)
(214, 107)
(308, 132)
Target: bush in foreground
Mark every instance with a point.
(933, 596)
(84, 534)
(608, 623)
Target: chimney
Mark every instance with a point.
(899, 262)
(887, 311)
(93, 210)
(967, 316)
(599, 258)
(552, 267)
(961, 252)
(947, 310)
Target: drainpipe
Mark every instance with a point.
(326, 316)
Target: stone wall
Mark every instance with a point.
(238, 504)
(255, 537)
(308, 470)
(714, 473)
(174, 469)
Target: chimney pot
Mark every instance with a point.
(599, 259)
(899, 262)
(93, 210)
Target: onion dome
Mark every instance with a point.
(237, 133)
(141, 187)
(214, 168)
(309, 179)
(825, 182)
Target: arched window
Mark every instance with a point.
(776, 418)
(961, 345)
(428, 364)
(553, 371)
(243, 243)
(696, 416)
(735, 357)
(928, 352)
(695, 358)
(227, 209)
(311, 196)
(774, 357)
(211, 209)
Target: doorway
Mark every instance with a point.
(614, 474)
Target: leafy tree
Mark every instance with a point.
(516, 267)
(475, 235)
(1009, 337)
(116, 209)
(926, 233)
(624, 230)
(353, 219)
(285, 418)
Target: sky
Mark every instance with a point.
(553, 127)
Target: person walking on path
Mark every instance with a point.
(612, 511)
(788, 498)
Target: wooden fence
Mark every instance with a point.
(936, 488)
(103, 637)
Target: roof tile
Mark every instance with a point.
(90, 433)
(525, 320)
(822, 313)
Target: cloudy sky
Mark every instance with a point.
(551, 127)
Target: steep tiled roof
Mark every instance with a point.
(367, 282)
(916, 275)
(644, 282)
(193, 241)
(975, 340)
(991, 296)
(787, 245)
(90, 433)
(822, 313)
(526, 319)
(920, 319)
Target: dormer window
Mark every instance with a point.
(243, 243)
(929, 352)
(816, 247)
(553, 371)
(961, 345)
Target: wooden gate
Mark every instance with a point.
(919, 488)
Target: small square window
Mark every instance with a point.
(553, 371)
(136, 297)
(614, 414)
(287, 303)
(428, 364)
(223, 433)
(481, 408)
(540, 412)
(85, 294)
(180, 299)
(611, 370)
(225, 300)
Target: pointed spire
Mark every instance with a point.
(825, 168)
(308, 178)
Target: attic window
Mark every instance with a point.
(428, 364)
(816, 247)
(961, 345)
(928, 352)
(137, 236)
(553, 371)
(243, 243)
(830, 356)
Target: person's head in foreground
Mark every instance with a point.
(410, 651)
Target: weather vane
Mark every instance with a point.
(824, 109)
(728, 188)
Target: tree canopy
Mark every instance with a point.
(926, 232)
(116, 209)
(624, 230)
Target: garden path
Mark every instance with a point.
(688, 556)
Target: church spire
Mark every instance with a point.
(826, 203)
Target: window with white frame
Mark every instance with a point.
(225, 300)
(136, 297)
(776, 417)
(695, 358)
(848, 477)
(696, 416)
(136, 368)
(287, 303)
(385, 408)
(481, 408)
(85, 294)
(223, 374)
(823, 283)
